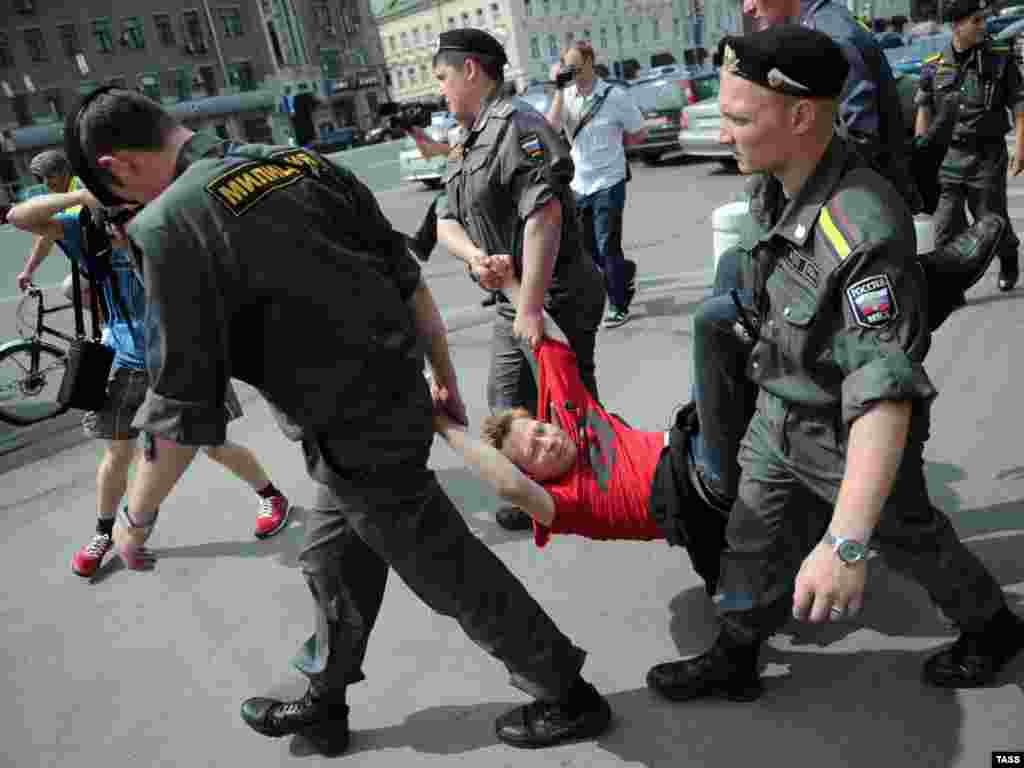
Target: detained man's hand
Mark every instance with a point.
(825, 582)
(447, 398)
(529, 326)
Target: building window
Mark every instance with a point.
(349, 16)
(480, 18)
(149, 84)
(635, 29)
(178, 85)
(54, 101)
(677, 29)
(604, 37)
(583, 6)
(208, 80)
(87, 86)
(415, 36)
(495, 12)
(6, 59)
(164, 30)
(547, 7)
(194, 36)
(231, 21)
(552, 46)
(330, 62)
(401, 79)
(68, 34)
(405, 39)
(451, 22)
(412, 75)
(529, 7)
(393, 43)
(24, 7)
(564, 6)
(465, 19)
(20, 106)
(424, 72)
(132, 36)
(240, 76)
(597, 5)
(655, 29)
(322, 18)
(534, 47)
(618, 34)
(35, 44)
(428, 34)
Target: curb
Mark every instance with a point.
(20, 446)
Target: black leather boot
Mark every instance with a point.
(724, 671)
(582, 714)
(322, 721)
(976, 658)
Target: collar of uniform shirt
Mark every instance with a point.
(800, 214)
(200, 145)
(486, 105)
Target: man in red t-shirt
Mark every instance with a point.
(578, 469)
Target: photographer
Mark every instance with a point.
(598, 119)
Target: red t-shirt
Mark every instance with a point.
(605, 495)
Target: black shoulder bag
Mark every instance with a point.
(89, 361)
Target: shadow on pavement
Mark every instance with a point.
(995, 297)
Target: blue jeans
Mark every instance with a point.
(601, 226)
(724, 395)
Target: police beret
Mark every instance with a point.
(787, 58)
(961, 9)
(471, 41)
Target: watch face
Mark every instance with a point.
(851, 551)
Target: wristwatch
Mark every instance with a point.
(849, 551)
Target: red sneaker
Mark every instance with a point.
(273, 516)
(87, 560)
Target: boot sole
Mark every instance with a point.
(748, 694)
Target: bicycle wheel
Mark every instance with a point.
(30, 377)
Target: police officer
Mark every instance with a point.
(507, 192)
(270, 265)
(985, 79)
(843, 398)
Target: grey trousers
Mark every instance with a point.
(397, 516)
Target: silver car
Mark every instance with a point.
(700, 131)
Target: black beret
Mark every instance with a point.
(961, 9)
(787, 58)
(469, 40)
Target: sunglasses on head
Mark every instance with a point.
(80, 163)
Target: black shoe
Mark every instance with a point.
(418, 249)
(1007, 282)
(1009, 272)
(324, 724)
(513, 518)
(718, 672)
(546, 723)
(490, 300)
(976, 658)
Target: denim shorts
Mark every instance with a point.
(126, 390)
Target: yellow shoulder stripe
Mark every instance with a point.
(832, 233)
(934, 57)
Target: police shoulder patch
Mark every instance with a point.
(242, 186)
(873, 301)
(532, 147)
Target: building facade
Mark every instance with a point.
(627, 34)
(216, 64)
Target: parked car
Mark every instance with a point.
(413, 166)
(337, 140)
(661, 102)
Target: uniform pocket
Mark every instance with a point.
(796, 304)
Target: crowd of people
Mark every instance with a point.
(799, 455)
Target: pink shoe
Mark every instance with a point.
(87, 560)
(273, 516)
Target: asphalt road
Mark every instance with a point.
(149, 669)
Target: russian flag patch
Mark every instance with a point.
(532, 147)
(873, 301)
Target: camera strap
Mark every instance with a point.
(595, 107)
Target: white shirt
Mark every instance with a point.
(597, 151)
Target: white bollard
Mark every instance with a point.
(731, 225)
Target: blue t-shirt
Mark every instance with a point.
(127, 335)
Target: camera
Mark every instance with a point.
(565, 76)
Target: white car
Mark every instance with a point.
(699, 131)
(412, 165)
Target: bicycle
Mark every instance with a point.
(31, 370)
